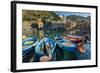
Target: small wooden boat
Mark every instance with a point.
(28, 49)
(28, 52)
(71, 43)
(76, 39)
(41, 45)
(45, 47)
(66, 44)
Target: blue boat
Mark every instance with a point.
(66, 45)
(28, 50)
(41, 49)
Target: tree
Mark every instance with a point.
(29, 15)
(89, 18)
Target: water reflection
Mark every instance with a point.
(65, 48)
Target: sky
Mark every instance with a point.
(73, 13)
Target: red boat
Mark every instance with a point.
(78, 40)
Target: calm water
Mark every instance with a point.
(67, 55)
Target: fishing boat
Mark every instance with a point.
(74, 38)
(78, 40)
(66, 45)
(70, 43)
(45, 47)
(41, 45)
(28, 49)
